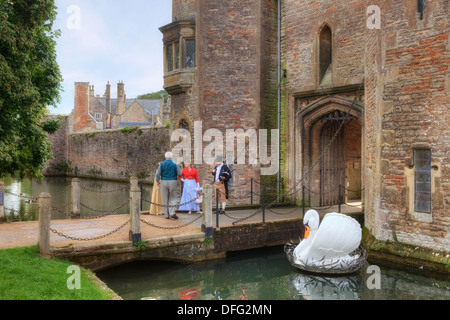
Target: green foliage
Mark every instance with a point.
(30, 81)
(167, 125)
(155, 95)
(51, 126)
(131, 130)
(140, 245)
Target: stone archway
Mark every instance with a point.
(321, 121)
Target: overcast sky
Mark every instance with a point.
(110, 40)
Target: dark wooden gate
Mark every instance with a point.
(332, 171)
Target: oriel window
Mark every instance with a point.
(422, 180)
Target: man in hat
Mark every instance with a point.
(166, 177)
(222, 174)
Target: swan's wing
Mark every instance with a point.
(338, 235)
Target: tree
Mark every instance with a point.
(30, 80)
(155, 95)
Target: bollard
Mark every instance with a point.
(207, 222)
(2, 201)
(76, 196)
(45, 201)
(135, 211)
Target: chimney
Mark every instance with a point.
(81, 110)
(121, 103)
(108, 97)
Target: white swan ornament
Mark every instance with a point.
(332, 246)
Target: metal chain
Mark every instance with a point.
(105, 213)
(172, 228)
(89, 239)
(34, 199)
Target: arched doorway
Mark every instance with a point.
(330, 141)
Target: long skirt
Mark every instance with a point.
(156, 198)
(188, 196)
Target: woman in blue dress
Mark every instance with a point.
(190, 178)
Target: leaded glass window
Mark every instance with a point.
(422, 183)
(190, 53)
(177, 55)
(169, 57)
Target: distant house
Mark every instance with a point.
(93, 112)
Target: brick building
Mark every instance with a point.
(94, 112)
(390, 82)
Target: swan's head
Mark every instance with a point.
(312, 219)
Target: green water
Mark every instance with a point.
(97, 197)
(266, 275)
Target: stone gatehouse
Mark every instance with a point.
(390, 82)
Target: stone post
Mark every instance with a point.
(2, 201)
(76, 196)
(45, 201)
(135, 210)
(207, 220)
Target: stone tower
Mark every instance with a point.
(213, 65)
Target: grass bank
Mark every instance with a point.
(24, 275)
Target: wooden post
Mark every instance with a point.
(2, 201)
(45, 201)
(207, 220)
(76, 198)
(135, 210)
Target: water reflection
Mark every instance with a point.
(266, 275)
(97, 197)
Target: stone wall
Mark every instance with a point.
(113, 154)
(302, 22)
(257, 235)
(407, 107)
(58, 165)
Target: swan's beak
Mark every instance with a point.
(307, 231)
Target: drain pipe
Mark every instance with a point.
(279, 99)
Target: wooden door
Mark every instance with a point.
(332, 171)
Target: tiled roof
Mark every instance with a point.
(150, 106)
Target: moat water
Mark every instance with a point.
(265, 274)
(96, 198)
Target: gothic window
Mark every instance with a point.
(190, 53)
(183, 124)
(422, 180)
(421, 7)
(325, 54)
